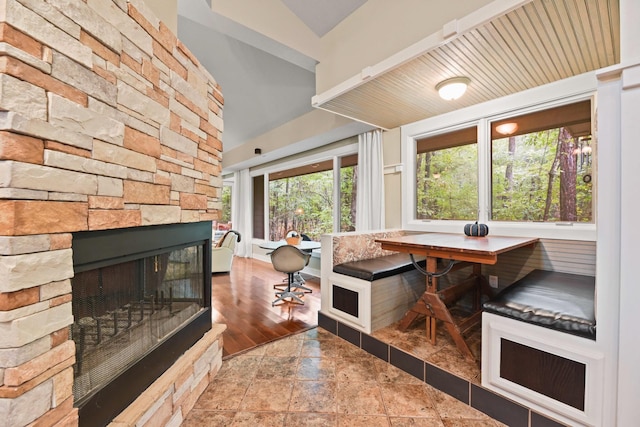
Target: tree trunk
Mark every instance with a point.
(553, 171)
(420, 173)
(425, 187)
(508, 174)
(568, 174)
(352, 202)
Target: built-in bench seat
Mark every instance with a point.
(377, 268)
(560, 301)
(539, 348)
(364, 286)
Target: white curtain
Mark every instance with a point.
(242, 212)
(370, 191)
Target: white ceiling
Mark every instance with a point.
(322, 16)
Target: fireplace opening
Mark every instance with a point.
(140, 298)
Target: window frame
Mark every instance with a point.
(556, 94)
(333, 154)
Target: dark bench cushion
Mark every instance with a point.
(560, 301)
(376, 268)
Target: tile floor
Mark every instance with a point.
(315, 378)
(444, 354)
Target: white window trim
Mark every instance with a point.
(555, 94)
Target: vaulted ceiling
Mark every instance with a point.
(265, 84)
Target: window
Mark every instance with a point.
(531, 171)
(226, 204)
(258, 207)
(348, 191)
(302, 198)
(542, 166)
(447, 176)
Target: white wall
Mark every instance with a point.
(629, 370)
(379, 29)
(272, 19)
(392, 178)
(166, 11)
(628, 99)
(390, 26)
(311, 130)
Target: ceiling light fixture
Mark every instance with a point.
(507, 128)
(452, 88)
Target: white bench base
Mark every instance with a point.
(380, 303)
(571, 347)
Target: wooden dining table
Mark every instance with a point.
(454, 251)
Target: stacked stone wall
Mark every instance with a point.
(106, 121)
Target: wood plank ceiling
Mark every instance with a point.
(538, 43)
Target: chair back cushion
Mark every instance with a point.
(289, 259)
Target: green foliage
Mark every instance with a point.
(530, 190)
(348, 180)
(303, 203)
(447, 183)
(226, 204)
(525, 182)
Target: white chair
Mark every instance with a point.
(222, 253)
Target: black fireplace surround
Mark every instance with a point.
(152, 283)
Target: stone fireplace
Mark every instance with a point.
(107, 123)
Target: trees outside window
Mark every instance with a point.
(539, 167)
(447, 176)
(226, 204)
(542, 168)
(348, 191)
(303, 203)
(302, 199)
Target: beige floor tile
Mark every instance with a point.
(317, 379)
(262, 419)
(310, 420)
(349, 420)
(450, 408)
(387, 373)
(314, 396)
(468, 423)
(415, 422)
(320, 348)
(316, 369)
(360, 399)
(242, 366)
(267, 395)
(356, 369)
(202, 418)
(408, 399)
(284, 347)
(273, 368)
(224, 394)
(451, 360)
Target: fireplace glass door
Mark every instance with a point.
(123, 311)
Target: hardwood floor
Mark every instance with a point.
(242, 300)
